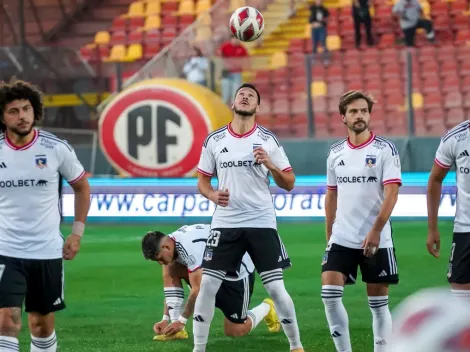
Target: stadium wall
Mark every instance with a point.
(178, 201)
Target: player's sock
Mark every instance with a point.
(463, 295)
(274, 283)
(44, 344)
(381, 322)
(257, 314)
(9, 344)
(205, 307)
(174, 298)
(336, 316)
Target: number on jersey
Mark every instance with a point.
(213, 239)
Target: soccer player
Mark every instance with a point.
(363, 179)
(453, 149)
(181, 254)
(32, 164)
(242, 155)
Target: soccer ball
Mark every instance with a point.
(431, 320)
(247, 24)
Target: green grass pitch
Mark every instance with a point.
(114, 296)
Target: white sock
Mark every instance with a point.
(381, 322)
(174, 298)
(257, 314)
(9, 344)
(463, 295)
(205, 307)
(336, 316)
(44, 344)
(274, 283)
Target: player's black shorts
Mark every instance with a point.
(380, 268)
(36, 282)
(459, 261)
(233, 298)
(226, 247)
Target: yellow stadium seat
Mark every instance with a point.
(102, 37)
(136, 9)
(203, 5)
(134, 52)
(333, 42)
(186, 7)
(118, 53)
(203, 34)
(278, 60)
(235, 4)
(426, 9)
(372, 11)
(417, 101)
(204, 19)
(152, 22)
(308, 31)
(319, 89)
(153, 8)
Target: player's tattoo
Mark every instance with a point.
(190, 303)
(10, 329)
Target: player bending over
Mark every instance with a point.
(363, 175)
(181, 254)
(453, 149)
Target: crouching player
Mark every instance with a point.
(181, 254)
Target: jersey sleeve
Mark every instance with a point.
(391, 170)
(69, 165)
(207, 161)
(279, 157)
(330, 175)
(445, 154)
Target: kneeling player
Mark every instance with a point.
(181, 254)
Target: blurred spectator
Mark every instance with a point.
(411, 16)
(233, 53)
(318, 22)
(361, 14)
(195, 69)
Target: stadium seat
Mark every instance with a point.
(118, 53)
(102, 38)
(319, 89)
(152, 23)
(203, 5)
(186, 7)
(134, 52)
(153, 8)
(136, 9)
(278, 60)
(333, 42)
(235, 4)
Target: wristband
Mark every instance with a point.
(78, 228)
(166, 318)
(182, 319)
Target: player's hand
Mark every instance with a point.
(371, 243)
(220, 197)
(434, 243)
(160, 327)
(173, 328)
(71, 247)
(262, 157)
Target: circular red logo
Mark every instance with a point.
(153, 131)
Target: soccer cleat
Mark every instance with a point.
(298, 350)
(271, 319)
(181, 335)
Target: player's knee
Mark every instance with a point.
(10, 321)
(41, 325)
(234, 330)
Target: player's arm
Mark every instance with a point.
(278, 165)
(81, 190)
(283, 179)
(331, 197)
(390, 199)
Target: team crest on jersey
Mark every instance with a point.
(256, 145)
(208, 255)
(41, 161)
(371, 161)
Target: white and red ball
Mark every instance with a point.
(247, 24)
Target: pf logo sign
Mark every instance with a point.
(156, 128)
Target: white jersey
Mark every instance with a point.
(455, 149)
(359, 174)
(29, 195)
(190, 243)
(229, 156)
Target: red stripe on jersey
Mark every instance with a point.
(333, 188)
(192, 271)
(77, 178)
(444, 166)
(365, 144)
(22, 147)
(287, 169)
(236, 135)
(204, 172)
(392, 180)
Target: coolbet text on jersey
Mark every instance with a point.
(190, 243)
(359, 174)
(29, 195)
(229, 156)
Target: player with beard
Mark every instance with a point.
(32, 164)
(243, 155)
(363, 179)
